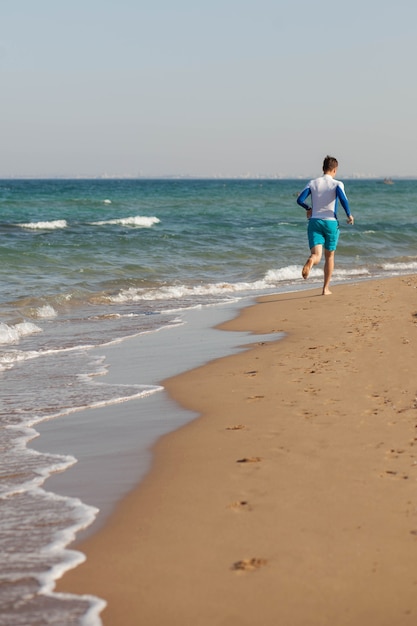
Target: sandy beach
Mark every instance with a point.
(292, 500)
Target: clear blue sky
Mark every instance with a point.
(220, 87)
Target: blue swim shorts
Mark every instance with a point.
(324, 233)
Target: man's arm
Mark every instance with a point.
(340, 193)
(302, 197)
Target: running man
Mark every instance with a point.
(323, 227)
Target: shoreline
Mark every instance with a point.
(112, 444)
(291, 499)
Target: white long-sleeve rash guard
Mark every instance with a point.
(325, 192)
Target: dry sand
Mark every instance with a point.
(292, 501)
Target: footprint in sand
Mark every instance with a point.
(394, 453)
(251, 373)
(250, 459)
(255, 397)
(394, 473)
(236, 427)
(249, 565)
(240, 505)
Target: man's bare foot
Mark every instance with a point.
(326, 292)
(307, 268)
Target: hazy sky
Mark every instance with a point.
(213, 87)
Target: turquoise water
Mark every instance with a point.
(89, 263)
(78, 240)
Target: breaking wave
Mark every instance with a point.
(52, 225)
(138, 221)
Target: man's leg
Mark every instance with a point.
(328, 270)
(313, 259)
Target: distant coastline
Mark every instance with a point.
(241, 177)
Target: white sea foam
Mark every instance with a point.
(274, 276)
(53, 225)
(32, 459)
(46, 312)
(290, 274)
(27, 328)
(11, 358)
(175, 292)
(39, 552)
(341, 273)
(400, 267)
(13, 334)
(143, 391)
(137, 221)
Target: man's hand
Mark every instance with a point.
(350, 219)
(309, 213)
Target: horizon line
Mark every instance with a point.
(355, 176)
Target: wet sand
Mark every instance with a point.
(293, 499)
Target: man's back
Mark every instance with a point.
(324, 193)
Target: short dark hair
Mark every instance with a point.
(329, 163)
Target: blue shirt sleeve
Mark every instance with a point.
(302, 197)
(340, 194)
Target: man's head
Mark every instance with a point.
(330, 165)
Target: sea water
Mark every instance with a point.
(91, 263)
